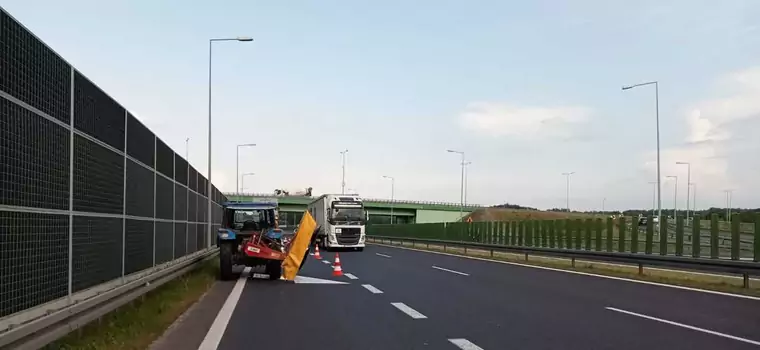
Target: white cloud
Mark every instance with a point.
(711, 127)
(499, 119)
(709, 119)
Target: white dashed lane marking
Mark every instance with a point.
(350, 276)
(383, 255)
(372, 289)
(748, 341)
(452, 271)
(464, 344)
(409, 311)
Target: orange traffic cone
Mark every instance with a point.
(316, 253)
(337, 270)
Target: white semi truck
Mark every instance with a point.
(341, 218)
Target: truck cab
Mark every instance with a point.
(342, 220)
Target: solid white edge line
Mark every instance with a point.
(452, 271)
(464, 344)
(409, 311)
(350, 276)
(372, 289)
(685, 326)
(383, 255)
(583, 273)
(215, 333)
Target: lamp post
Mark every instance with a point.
(688, 186)
(654, 196)
(729, 197)
(237, 163)
(461, 186)
(343, 181)
(187, 149)
(210, 186)
(568, 190)
(393, 186)
(603, 202)
(465, 181)
(242, 180)
(675, 195)
(657, 117)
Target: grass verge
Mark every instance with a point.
(139, 323)
(721, 283)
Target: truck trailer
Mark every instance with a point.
(341, 219)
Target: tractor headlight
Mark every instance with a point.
(225, 235)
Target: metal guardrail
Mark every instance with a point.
(744, 268)
(56, 324)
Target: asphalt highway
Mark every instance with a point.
(393, 298)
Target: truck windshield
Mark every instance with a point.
(345, 215)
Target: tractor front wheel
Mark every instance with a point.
(225, 261)
(274, 269)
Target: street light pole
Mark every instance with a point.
(210, 186)
(729, 194)
(393, 185)
(343, 181)
(237, 164)
(657, 114)
(603, 200)
(694, 202)
(187, 149)
(654, 196)
(688, 186)
(568, 189)
(242, 180)
(675, 196)
(461, 186)
(465, 181)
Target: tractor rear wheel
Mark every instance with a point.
(225, 261)
(274, 269)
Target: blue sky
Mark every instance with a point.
(527, 89)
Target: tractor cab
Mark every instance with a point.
(248, 218)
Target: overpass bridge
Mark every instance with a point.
(96, 210)
(292, 207)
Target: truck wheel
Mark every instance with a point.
(225, 261)
(274, 269)
(361, 249)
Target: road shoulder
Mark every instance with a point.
(188, 331)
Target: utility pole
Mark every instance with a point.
(343, 182)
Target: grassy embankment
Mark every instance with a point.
(139, 323)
